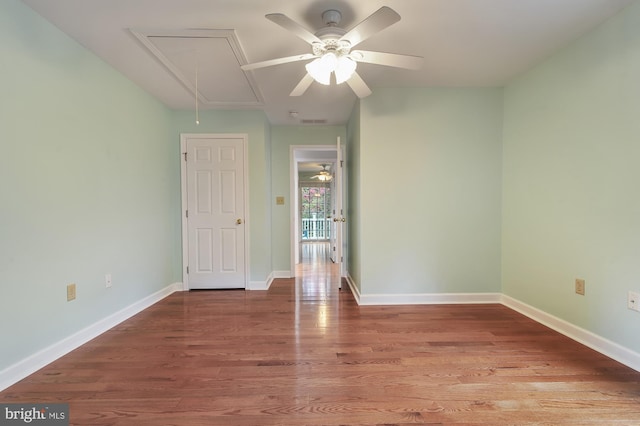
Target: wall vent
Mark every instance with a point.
(313, 121)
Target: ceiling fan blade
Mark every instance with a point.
(358, 86)
(302, 86)
(291, 25)
(278, 61)
(388, 59)
(377, 21)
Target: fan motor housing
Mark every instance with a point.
(331, 31)
(331, 44)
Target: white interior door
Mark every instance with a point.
(333, 241)
(215, 211)
(339, 217)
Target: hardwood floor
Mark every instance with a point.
(304, 353)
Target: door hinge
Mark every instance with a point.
(185, 156)
(186, 213)
(187, 269)
(341, 163)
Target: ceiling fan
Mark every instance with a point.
(323, 175)
(331, 50)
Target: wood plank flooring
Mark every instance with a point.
(304, 353)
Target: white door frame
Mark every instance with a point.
(298, 153)
(183, 190)
(340, 195)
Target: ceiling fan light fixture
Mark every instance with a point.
(324, 175)
(320, 68)
(345, 69)
(331, 50)
(318, 74)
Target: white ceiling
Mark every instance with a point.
(313, 160)
(464, 43)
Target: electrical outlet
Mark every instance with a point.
(71, 292)
(580, 286)
(633, 301)
(107, 280)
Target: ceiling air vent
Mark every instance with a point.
(313, 121)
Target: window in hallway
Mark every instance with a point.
(315, 212)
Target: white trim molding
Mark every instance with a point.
(354, 288)
(421, 298)
(261, 285)
(264, 285)
(429, 298)
(598, 343)
(33, 363)
(282, 274)
(209, 37)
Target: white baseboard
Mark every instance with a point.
(258, 285)
(421, 298)
(33, 363)
(282, 274)
(429, 298)
(598, 343)
(354, 289)
(261, 285)
(264, 285)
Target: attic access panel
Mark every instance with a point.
(216, 57)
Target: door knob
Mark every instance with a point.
(238, 221)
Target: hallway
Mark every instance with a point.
(316, 273)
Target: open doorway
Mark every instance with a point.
(315, 210)
(313, 198)
(315, 204)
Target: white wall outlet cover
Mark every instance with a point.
(633, 301)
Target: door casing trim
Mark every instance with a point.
(299, 153)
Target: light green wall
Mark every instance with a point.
(255, 125)
(430, 173)
(282, 138)
(85, 166)
(90, 184)
(571, 175)
(354, 213)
